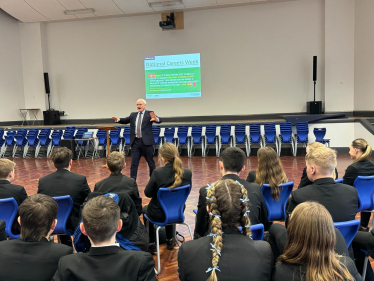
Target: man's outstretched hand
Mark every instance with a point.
(153, 116)
(115, 118)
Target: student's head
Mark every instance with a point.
(115, 162)
(227, 206)
(232, 160)
(310, 241)
(359, 150)
(313, 145)
(101, 219)
(37, 217)
(61, 157)
(320, 163)
(169, 154)
(7, 169)
(270, 171)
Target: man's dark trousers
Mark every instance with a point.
(138, 148)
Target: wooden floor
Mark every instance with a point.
(204, 170)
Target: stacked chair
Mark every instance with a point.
(8, 145)
(115, 140)
(156, 129)
(45, 143)
(81, 144)
(56, 138)
(224, 137)
(286, 136)
(270, 136)
(196, 138)
(210, 138)
(301, 136)
(69, 133)
(21, 142)
(240, 137)
(126, 140)
(32, 143)
(169, 135)
(101, 141)
(2, 141)
(182, 139)
(255, 136)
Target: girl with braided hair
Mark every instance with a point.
(226, 254)
(171, 175)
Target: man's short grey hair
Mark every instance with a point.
(142, 100)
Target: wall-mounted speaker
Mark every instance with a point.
(46, 83)
(314, 68)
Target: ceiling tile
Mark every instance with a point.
(21, 11)
(169, 8)
(133, 6)
(102, 7)
(51, 9)
(199, 3)
(71, 4)
(226, 2)
(89, 15)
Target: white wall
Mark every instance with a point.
(339, 55)
(11, 81)
(364, 55)
(254, 59)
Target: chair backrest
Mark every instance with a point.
(56, 137)
(126, 135)
(182, 134)
(196, 133)
(285, 132)
(255, 132)
(8, 212)
(277, 209)
(348, 229)
(172, 202)
(169, 134)
(225, 133)
(257, 230)
(65, 206)
(156, 129)
(339, 180)
(240, 133)
(302, 129)
(365, 187)
(101, 137)
(210, 133)
(319, 133)
(270, 132)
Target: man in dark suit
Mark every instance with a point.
(231, 165)
(7, 190)
(339, 199)
(117, 182)
(63, 182)
(32, 257)
(105, 259)
(141, 136)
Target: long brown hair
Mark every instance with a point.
(364, 147)
(170, 153)
(228, 211)
(310, 241)
(270, 171)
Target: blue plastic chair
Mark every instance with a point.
(8, 213)
(270, 136)
(320, 133)
(240, 137)
(286, 136)
(65, 206)
(182, 139)
(156, 130)
(348, 229)
(301, 136)
(210, 138)
(224, 137)
(339, 180)
(56, 138)
(255, 136)
(172, 202)
(115, 139)
(277, 209)
(9, 142)
(44, 142)
(196, 138)
(257, 230)
(169, 134)
(21, 142)
(126, 140)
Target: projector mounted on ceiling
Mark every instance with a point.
(169, 23)
(165, 3)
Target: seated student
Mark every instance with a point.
(105, 260)
(7, 189)
(269, 171)
(339, 199)
(309, 252)
(32, 257)
(171, 175)
(63, 182)
(117, 182)
(231, 165)
(226, 254)
(304, 181)
(360, 151)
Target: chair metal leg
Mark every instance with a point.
(365, 267)
(189, 229)
(158, 251)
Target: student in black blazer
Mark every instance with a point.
(117, 182)
(171, 175)
(339, 199)
(304, 181)
(231, 166)
(8, 190)
(309, 251)
(33, 257)
(63, 182)
(141, 136)
(226, 254)
(105, 260)
(269, 171)
(360, 151)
